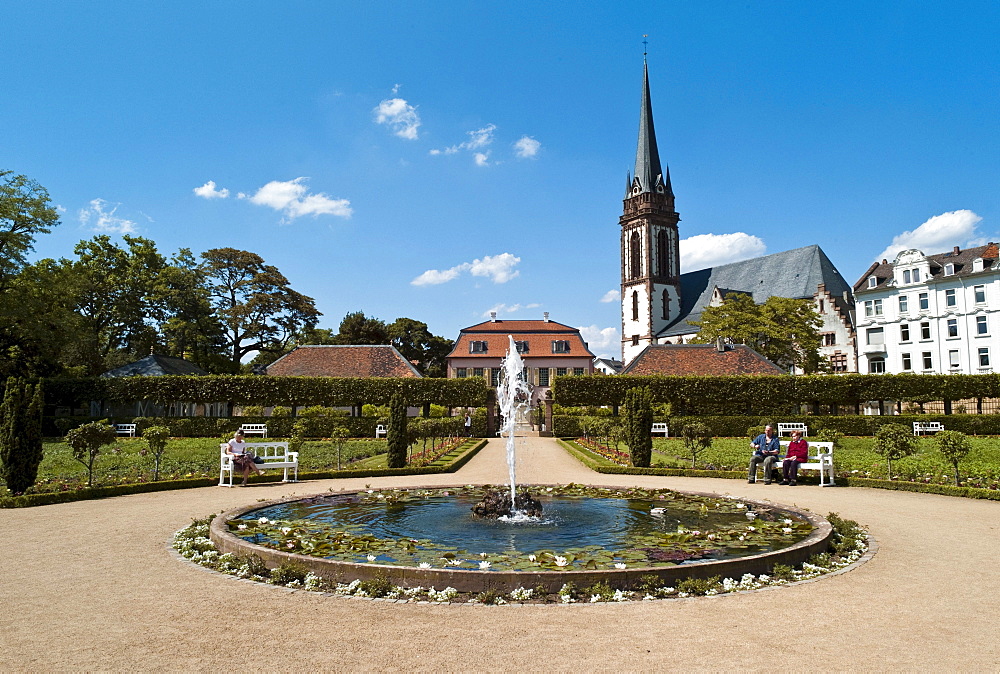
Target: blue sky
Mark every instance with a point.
(437, 160)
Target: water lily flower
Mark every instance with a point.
(548, 489)
(620, 565)
(786, 521)
(425, 565)
(285, 530)
(371, 558)
(242, 526)
(561, 561)
(484, 565)
(751, 528)
(532, 558)
(483, 555)
(290, 545)
(741, 505)
(263, 520)
(454, 562)
(786, 530)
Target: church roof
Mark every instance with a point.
(700, 359)
(793, 273)
(326, 360)
(156, 366)
(648, 170)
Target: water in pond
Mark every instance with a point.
(581, 532)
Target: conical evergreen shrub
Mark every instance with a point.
(396, 432)
(20, 434)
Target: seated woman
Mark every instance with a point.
(798, 452)
(241, 457)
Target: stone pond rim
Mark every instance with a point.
(473, 580)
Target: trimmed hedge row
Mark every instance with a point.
(762, 394)
(854, 425)
(50, 498)
(265, 390)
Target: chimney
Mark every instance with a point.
(885, 261)
(493, 317)
(956, 250)
(545, 317)
(720, 345)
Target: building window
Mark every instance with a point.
(922, 299)
(560, 346)
(635, 340)
(904, 332)
(902, 304)
(876, 365)
(829, 339)
(661, 254)
(953, 327)
(477, 372)
(876, 336)
(477, 347)
(560, 372)
(953, 359)
(906, 276)
(665, 304)
(872, 281)
(916, 276)
(977, 264)
(949, 298)
(461, 373)
(838, 361)
(494, 377)
(873, 308)
(984, 357)
(635, 305)
(928, 363)
(578, 371)
(980, 293)
(543, 376)
(981, 327)
(821, 307)
(906, 362)
(949, 269)
(925, 330)
(522, 347)
(635, 255)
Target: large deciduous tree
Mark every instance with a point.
(786, 331)
(190, 328)
(356, 328)
(416, 343)
(25, 212)
(258, 310)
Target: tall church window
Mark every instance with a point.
(635, 256)
(665, 302)
(671, 259)
(635, 305)
(662, 256)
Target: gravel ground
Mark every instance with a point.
(94, 586)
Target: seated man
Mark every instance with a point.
(766, 448)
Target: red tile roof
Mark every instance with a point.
(538, 334)
(342, 361)
(688, 359)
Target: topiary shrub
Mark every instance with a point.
(638, 422)
(20, 434)
(396, 435)
(954, 446)
(697, 438)
(156, 437)
(86, 442)
(894, 442)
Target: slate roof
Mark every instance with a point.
(648, 171)
(343, 361)
(700, 359)
(793, 273)
(538, 334)
(156, 366)
(962, 259)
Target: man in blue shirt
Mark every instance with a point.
(766, 448)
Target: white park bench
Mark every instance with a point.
(921, 427)
(820, 458)
(275, 455)
(254, 429)
(786, 429)
(380, 432)
(125, 429)
(660, 428)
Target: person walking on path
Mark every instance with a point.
(766, 448)
(468, 425)
(798, 452)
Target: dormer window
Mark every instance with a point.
(873, 281)
(906, 276)
(949, 269)
(477, 347)
(560, 346)
(522, 347)
(916, 276)
(977, 264)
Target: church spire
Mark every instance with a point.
(649, 176)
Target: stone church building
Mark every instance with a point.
(658, 301)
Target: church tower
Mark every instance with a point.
(650, 251)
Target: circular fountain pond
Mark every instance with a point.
(429, 536)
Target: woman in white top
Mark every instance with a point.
(238, 450)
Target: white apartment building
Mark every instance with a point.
(930, 314)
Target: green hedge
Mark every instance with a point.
(855, 425)
(768, 394)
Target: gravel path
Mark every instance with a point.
(93, 586)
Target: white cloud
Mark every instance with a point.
(99, 219)
(398, 115)
(290, 197)
(711, 250)
(482, 158)
(612, 296)
(509, 308)
(604, 342)
(478, 139)
(208, 191)
(497, 268)
(527, 147)
(395, 89)
(60, 208)
(936, 235)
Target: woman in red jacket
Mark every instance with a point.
(798, 452)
